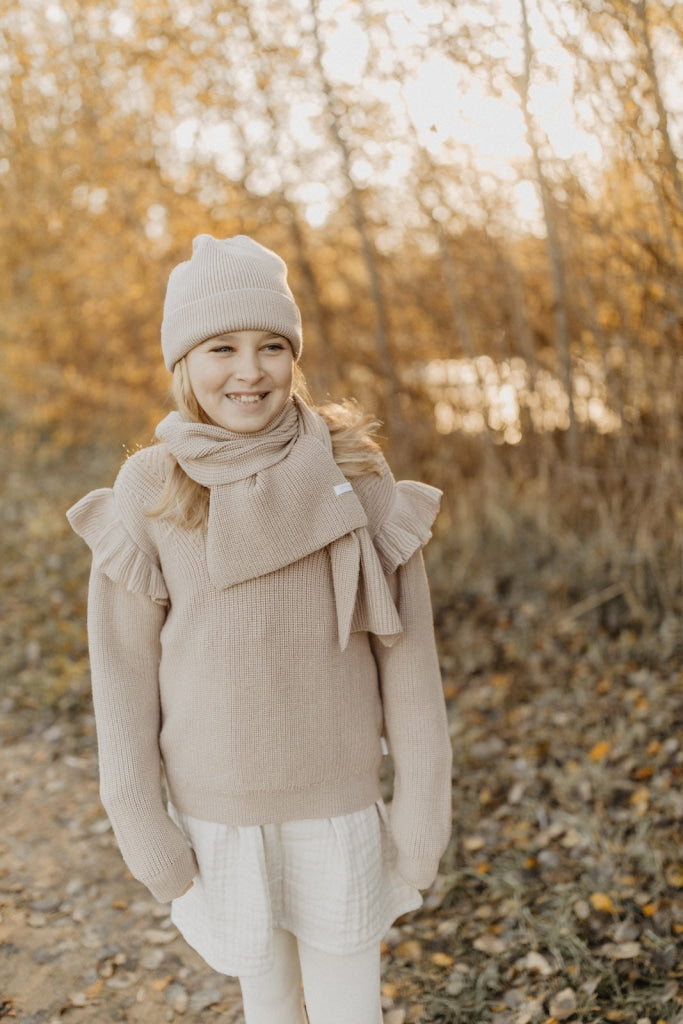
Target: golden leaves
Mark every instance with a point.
(600, 751)
(602, 903)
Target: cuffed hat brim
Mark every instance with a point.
(234, 284)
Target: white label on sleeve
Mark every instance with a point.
(342, 488)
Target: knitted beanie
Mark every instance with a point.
(231, 284)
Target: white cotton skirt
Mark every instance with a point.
(332, 882)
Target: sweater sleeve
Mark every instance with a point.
(417, 730)
(400, 516)
(124, 637)
(127, 602)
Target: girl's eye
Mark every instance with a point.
(275, 346)
(222, 348)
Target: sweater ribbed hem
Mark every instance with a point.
(327, 799)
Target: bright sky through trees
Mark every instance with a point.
(452, 84)
(452, 110)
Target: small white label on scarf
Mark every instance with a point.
(343, 488)
(383, 745)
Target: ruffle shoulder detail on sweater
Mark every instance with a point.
(112, 523)
(400, 516)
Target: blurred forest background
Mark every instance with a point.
(481, 208)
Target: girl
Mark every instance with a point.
(259, 619)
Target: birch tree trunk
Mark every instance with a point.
(553, 245)
(391, 413)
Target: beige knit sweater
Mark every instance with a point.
(263, 698)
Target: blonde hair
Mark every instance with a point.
(185, 503)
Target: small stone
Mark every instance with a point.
(152, 958)
(47, 905)
(456, 984)
(46, 955)
(100, 827)
(204, 999)
(176, 996)
(158, 937)
(123, 979)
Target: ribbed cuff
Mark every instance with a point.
(418, 872)
(172, 882)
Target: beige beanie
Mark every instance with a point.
(231, 284)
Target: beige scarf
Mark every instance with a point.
(276, 496)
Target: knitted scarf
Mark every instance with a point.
(277, 495)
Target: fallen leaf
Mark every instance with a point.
(600, 751)
(571, 838)
(601, 902)
(473, 843)
(442, 959)
(582, 910)
(410, 950)
(620, 950)
(390, 989)
(159, 984)
(535, 962)
(489, 944)
(640, 799)
(563, 1004)
(674, 877)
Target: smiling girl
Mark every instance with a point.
(260, 625)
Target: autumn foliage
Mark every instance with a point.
(529, 366)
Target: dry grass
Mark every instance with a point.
(558, 600)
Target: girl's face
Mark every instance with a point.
(241, 379)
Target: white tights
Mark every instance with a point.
(337, 989)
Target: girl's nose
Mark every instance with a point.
(249, 367)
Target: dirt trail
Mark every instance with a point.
(80, 941)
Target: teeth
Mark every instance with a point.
(247, 399)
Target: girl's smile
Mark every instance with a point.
(241, 379)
